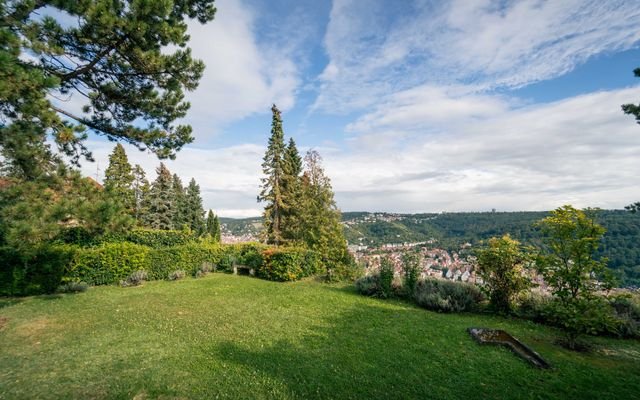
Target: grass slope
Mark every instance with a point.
(226, 336)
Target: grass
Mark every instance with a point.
(227, 336)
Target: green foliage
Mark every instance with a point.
(411, 273)
(154, 238)
(109, 263)
(626, 309)
(447, 296)
(273, 166)
(369, 285)
(130, 67)
(532, 306)
(502, 267)
(633, 109)
(161, 206)
(570, 269)
(118, 179)
(40, 270)
(72, 287)
(287, 264)
(213, 227)
(387, 271)
(584, 315)
(141, 189)
(180, 208)
(194, 212)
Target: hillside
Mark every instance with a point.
(450, 230)
(226, 336)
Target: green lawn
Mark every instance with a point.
(227, 336)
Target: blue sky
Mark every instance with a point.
(419, 106)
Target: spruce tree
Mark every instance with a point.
(291, 194)
(141, 190)
(118, 179)
(180, 211)
(160, 215)
(273, 169)
(194, 209)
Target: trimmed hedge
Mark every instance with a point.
(110, 263)
(153, 238)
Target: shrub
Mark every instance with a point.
(176, 275)
(39, 271)
(282, 264)
(532, 306)
(369, 285)
(189, 258)
(586, 315)
(109, 263)
(386, 277)
(627, 313)
(73, 287)
(411, 271)
(501, 265)
(447, 296)
(135, 279)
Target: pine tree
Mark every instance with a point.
(180, 211)
(118, 179)
(127, 60)
(194, 209)
(273, 169)
(160, 215)
(141, 190)
(291, 194)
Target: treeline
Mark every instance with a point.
(164, 204)
(619, 245)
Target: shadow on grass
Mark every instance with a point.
(380, 352)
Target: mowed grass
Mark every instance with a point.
(227, 336)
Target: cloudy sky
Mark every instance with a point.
(418, 106)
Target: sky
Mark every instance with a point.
(417, 106)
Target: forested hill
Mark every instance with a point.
(621, 243)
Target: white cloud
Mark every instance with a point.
(376, 48)
(242, 76)
(581, 150)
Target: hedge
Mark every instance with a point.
(288, 264)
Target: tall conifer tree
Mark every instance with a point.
(273, 169)
(291, 194)
(161, 207)
(118, 179)
(213, 226)
(180, 211)
(194, 209)
(141, 190)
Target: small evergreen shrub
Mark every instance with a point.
(447, 296)
(176, 275)
(411, 272)
(73, 287)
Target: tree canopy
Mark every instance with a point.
(119, 69)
